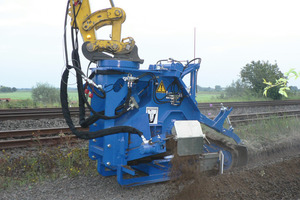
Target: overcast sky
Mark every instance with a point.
(229, 34)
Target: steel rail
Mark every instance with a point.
(36, 132)
(38, 141)
(45, 113)
(262, 115)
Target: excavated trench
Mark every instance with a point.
(272, 173)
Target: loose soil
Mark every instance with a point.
(279, 180)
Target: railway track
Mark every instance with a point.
(246, 118)
(37, 137)
(37, 113)
(62, 135)
(21, 114)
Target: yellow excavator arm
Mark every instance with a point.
(88, 23)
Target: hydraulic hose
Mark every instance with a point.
(87, 134)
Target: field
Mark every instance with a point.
(201, 97)
(23, 99)
(19, 95)
(26, 94)
(207, 97)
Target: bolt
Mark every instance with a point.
(115, 47)
(90, 47)
(108, 163)
(117, 12)
(94, 140)
(93, 156)
(109, 145)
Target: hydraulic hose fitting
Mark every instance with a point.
(145, 141)
(130, 79)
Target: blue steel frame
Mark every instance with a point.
(114, 152)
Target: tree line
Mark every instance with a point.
(7, 89)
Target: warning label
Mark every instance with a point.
(161, 88)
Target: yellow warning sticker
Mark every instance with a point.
(161, 88)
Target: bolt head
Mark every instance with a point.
(117, 12)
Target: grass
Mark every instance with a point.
(23, 95)
(45, 164)
(18, 95)
(204, 97)
(269, 131)
(260, 134)
(23, 99)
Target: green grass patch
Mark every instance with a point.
(46, 164)
(204, 97)
(23, 99)
(260, 134)
(269, 131)
(26, 94)
(207, 97)
(18, 95)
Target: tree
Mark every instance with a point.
(45, 93)
(254, 73)
(281, 83)
(218, 88)
(7, 89)
(236, 89)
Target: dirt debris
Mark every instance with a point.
(280, 180)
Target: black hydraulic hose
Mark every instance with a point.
(199, 60)
(65, 33)
(100, 115)
(86, 134)
(81, 99)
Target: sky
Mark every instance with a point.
(229, 34)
